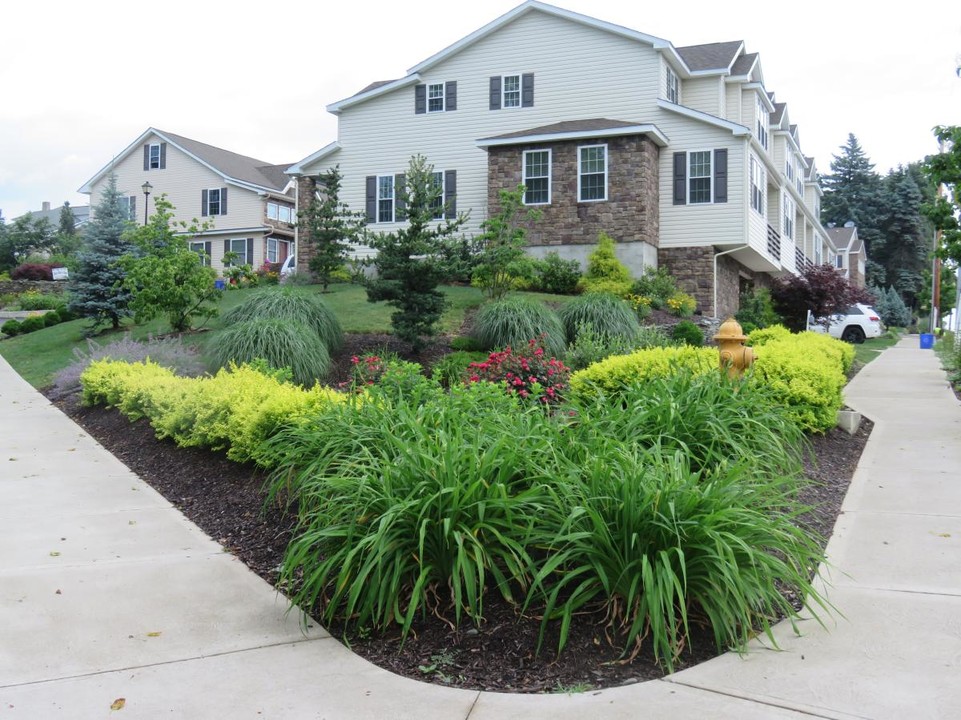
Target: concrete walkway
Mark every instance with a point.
(108, 593)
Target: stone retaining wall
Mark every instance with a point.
(21, 286)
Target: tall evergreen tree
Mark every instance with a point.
(68, 225)
(854, 192)
(409, 263)
(330, 226)
(95, 289)
(904, 250)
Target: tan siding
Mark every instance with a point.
(733, 102)
(703, 94)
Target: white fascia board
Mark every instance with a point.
(87, 187)
(791, 139)
(766, 99)
(228, 231)
(299, 168)
(340, 105)
(530, 6)
(735, 128)
(660, 139)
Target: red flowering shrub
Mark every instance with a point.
(529, 375)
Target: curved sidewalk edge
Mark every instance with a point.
(108, 592)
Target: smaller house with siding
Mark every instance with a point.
(852, 259)
(247, 203)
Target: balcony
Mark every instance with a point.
(774, 243)
(800, 260)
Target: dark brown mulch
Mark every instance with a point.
(225, 500)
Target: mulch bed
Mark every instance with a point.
(225, 500)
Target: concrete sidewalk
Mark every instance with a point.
(108, 592)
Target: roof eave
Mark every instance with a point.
(337, 107)
(299, 168)
(736, 129)
(659, 138)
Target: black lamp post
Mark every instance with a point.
(146, 187)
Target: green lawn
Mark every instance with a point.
(38, 355)
(870, 349)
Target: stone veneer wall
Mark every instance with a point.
(693, 267)
(629, 215)
(306, 192)
(22, 286)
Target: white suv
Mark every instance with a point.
(860, 322)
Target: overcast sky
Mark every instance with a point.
(79, 81)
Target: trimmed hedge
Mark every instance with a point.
(613, 375)
(235, 410)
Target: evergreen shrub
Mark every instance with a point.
(688, 333)
(32, 324)
(605, 273)
(11, 327)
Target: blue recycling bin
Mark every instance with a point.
(927, 341)
(219, 284)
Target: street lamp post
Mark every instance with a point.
(146, 187)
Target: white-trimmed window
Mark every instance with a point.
(591, 173)
(154, 161)
(203, 250)
(214, 202)
(239, 246)
(790, 210)
(700, 179)
(277, 250)
(760, 129)
(385, 198)
(537, 177)
(435, 97)
(281, 213)
(511, 88)
(437, 202)
(129, 205)
(789, 166)
(672, 91)
(839, 262)
(758, 186)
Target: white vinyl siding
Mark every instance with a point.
(537, 177)
(591, 173)
(705, 94)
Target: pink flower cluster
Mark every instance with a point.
(528, 375)
(366, 370)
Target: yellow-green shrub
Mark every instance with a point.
(236, 409)
(612, 375)
(807, 374)
(762, 336)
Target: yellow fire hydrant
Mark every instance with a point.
(735, 358)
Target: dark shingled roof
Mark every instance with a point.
(713, 56)
(373, 86)
(592, 125)
(744, 64)
(778, 113)
(239, 167)
(81, 213)
(842, 237)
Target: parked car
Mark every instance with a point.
(860, 322)
(289, 266)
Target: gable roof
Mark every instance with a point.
(711, 56)
(81, 213)
(744, 64)
(845, 238)
(413, 74)
(241, 169)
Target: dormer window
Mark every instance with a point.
(672, 91)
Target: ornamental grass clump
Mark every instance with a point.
(280, 343)
(608, 315)
(659, 545)
(514, 321)
(292, 306)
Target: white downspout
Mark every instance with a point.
(716, 256)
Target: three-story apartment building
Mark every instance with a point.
(679, 153)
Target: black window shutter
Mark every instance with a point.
(250, 251)
(371, 198)
(720, 176)
(163, 156)
(450, 193)
(223, 201)
(132, 213)
(420, 99)
(680, 178)
(495, 92)
(203, 203)
(527, 90)
(400, 197)
(146, 157)
(450, 95)
(208, 250)
(226, 250)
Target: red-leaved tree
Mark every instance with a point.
(820, 289)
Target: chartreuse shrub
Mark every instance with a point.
(758, 338)
(515, 321)
(608, 315)
(280, 343)
(605, 273)
(611, 376)
(236, 409)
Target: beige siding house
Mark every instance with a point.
(248, 204)
(679, 153)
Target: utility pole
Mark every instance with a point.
(936, 272)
